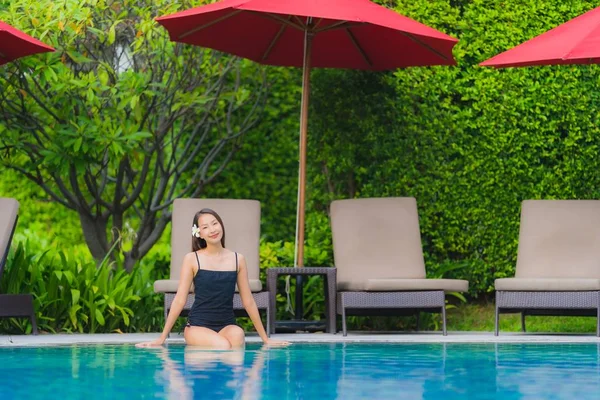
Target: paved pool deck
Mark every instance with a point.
(381, 337)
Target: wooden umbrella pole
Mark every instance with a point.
(303, 145)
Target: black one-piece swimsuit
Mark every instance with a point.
(213, 299)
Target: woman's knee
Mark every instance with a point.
(235, 335)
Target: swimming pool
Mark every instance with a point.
(307, 371)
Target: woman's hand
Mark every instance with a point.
(276, 343)
(155, 343)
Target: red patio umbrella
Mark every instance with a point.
(574, 42)
(354, 34)
(16, 44)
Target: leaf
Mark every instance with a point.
(124, 315)
(103, 76)
(134, 101)
(73, 315)
(77, 144)
(111, 35)
(99, 317)
(75, 296)
(69, 275)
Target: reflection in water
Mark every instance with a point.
(190, 373)
(543, 371)
(402, 371)
(355, 371)
(303, 371)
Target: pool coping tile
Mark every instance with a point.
(364, 337)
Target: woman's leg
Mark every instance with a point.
(204, 337)
(234, 335)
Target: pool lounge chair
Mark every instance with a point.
(379, 259)
(558, 262)
(12, 305)
(242, 234)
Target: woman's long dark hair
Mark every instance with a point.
(197, 243)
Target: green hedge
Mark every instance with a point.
(470, 143)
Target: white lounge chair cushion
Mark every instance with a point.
(547, 284)
(398, 285)
(170, 286)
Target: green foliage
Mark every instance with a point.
(41, 219)
(85, 84)
(120, 120)
(468, 142)
(75, 295)
(318, 253)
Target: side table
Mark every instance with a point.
(329, 275)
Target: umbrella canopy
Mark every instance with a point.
(16, 44)
(355, 34)
(574, 42)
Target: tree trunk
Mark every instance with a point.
(94, 233)
(129, 261)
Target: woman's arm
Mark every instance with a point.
(249, 303)
(185, 281)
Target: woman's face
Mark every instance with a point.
(210, 228)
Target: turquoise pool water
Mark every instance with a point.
(307, 371)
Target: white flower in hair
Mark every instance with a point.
(195, 231)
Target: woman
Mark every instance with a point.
(214, 270)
